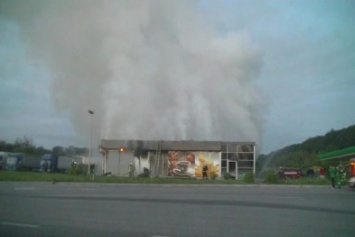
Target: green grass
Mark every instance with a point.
(44, 177)
(305, 181)
(50, 177)
(57, 177)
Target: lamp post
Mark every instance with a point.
(119, 159)
(91, 112)
(119, 166)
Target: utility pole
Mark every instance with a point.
(91, 112)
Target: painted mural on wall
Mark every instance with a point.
(181, 164)
(190, 164)
(211, 160)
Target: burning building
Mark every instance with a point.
(178, 158)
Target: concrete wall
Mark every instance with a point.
(119, 168)
(141, 164)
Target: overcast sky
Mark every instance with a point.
(295, 71)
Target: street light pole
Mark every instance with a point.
(91, 112)
(119, 159)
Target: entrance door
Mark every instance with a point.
(232, 168)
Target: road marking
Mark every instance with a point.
(19, 224)
(286, 197)
(24, 188)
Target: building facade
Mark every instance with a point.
(178, 158)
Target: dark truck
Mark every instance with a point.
(61, 164)
(3, 156)
(14, 161)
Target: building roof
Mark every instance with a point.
(343, 153)
(190, 145)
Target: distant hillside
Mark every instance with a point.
(305, 154)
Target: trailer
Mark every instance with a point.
(61, 164)
(31, 163)
(14, 161)
(3, 156)
(19, 161)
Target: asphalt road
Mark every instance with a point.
(63, 209)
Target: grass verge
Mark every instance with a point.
(58, 177)
(305, 181)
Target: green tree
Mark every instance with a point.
(58, 150)
(306, 153)
(25, 145)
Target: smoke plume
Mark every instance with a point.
(149, 69)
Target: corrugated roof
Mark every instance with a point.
(349, 151)
(166, 145)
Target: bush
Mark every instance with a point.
(227, 176)
(249, 178)
(78, 169)
(213, 176)
(145, 173)
(270, 177)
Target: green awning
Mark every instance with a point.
(343, 153)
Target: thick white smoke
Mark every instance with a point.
(149, 69)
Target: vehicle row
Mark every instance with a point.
(45, 163)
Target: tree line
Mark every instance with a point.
(305, 154)
(27, 146)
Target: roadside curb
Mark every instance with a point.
(169, 185)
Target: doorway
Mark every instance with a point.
(232, 168)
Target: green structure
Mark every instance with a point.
(343, 156)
